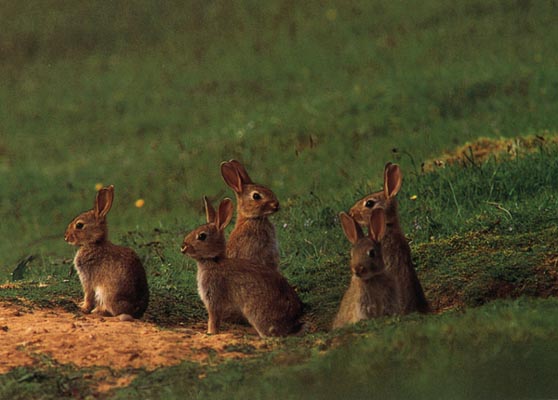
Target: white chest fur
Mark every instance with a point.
(99, 296)
(202, 290)
(78, 269)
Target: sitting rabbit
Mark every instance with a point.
(113, 278)
(232, 285)
(371, 292)
(395, 248)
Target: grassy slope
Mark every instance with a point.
(313, 97)
(504, 350)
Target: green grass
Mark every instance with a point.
(109, 93)
(47, 381)
(504, 350)
(314, 97)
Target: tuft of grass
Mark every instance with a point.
(48, 380)
(514, 195)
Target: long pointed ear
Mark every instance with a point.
(209, 210)
(242, 172)
(392, 180)
(231, 176)
(350, 227)
(103, 202)
(377, 225)
(225, 214)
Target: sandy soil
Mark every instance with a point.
(93, 341)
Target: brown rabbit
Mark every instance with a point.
(372, 292)
(230, 285)
(253, 237)
(112, 277)
(395, 248)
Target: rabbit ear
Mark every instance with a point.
(377, 225)
(231, 176)
(225, 214)
(350, 227)
(103, 202)
(392, 180)
(209, 210)
(242, 172)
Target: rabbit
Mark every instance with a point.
(253, 237)
(395, 248)
(113, 279)
(231, 285)
(371, 292)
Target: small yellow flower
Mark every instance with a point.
(98, 186)
(331, 14)
(139, 203)
(413, 197)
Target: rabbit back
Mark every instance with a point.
(115, 276)
(255, 240)
(399, 264)
(253, 237)
(262, 296)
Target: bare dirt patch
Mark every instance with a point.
(93, 341)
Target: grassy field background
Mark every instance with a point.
(314, 97)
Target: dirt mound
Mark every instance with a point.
(93, 341)
(481, 149)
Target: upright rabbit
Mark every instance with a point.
(371, 292)
(396, 250)
(112, 277)
(253, 237)
(231, 285)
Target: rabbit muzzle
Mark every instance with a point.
(365, 273)
(272, 207)
(69, 238)
(184, 248)
(357, 215)
(360, 270)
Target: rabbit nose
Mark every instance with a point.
(359, 270)
(184, 248)
(275, 206)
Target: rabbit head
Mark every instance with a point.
(91, 226)
(254, 201)
(362, 209)
(208, 241)
(366, 253)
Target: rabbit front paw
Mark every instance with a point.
(86, 307)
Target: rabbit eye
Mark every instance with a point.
(79, 225)
(256, 196)
(371, 253)
(202, 236)
(369, 203)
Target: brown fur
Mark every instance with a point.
(396, 250)
(372, 292)
(253, 237)
(230, 285)
(113, 278)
